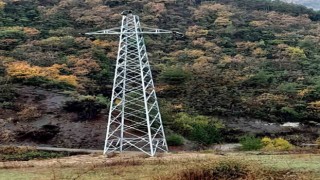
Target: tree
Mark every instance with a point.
(23, 71)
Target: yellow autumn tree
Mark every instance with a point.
(23, 70)
(296, 53)
(31, 31)
(82, 66)
(196, 31)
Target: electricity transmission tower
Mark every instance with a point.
(134, 120)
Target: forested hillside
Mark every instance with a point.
(239, 58)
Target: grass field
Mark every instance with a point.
(139, 167)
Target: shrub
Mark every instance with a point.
(12, 153)
(250, 143)
(266, 141)
(260, 79)
(29, 113)
(7, 96)
(6, 105)
(198, 128)
(276, 144)
(7, 92)
(290, 113)
(174, 76)
(175, 140)
(31, 155)
(288, 88)
(205, 134)
(87, 107)
(15, 150)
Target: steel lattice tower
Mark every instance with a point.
(134, 120)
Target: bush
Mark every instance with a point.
(175, 140)
(9, 150)
(7, 96)
(12, 153)
(266, 141)
(87, 107)
(261, 79)
(29, 113)
(276, 144)
(288, 88)
(198, 128)
(250, 143)
(205, 134)
(174, 76)
(7, 93)
(290, 113)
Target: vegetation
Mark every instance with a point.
(250, 143)
(87, 107)
(198, 128)
(239, 58)
(276, 144)
(175, 140)
(231, 169)
(11, 153)
(173, 166)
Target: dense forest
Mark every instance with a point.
(239, 58)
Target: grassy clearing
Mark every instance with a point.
(173, 164)
(298, 162)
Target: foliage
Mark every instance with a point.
(7, 94)
(278, 144)
(174, 76)
(288, 88)
(260, 79)
(198, 128)
(11, 153)
(244, 58)
(175, 140)
(24, 71)
(250, 143)
(87, 107)
(19, 13)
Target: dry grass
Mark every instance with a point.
(28, 113)
(172, 166)
(15, 150)
(235, 170)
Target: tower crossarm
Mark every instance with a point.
(117, 31)
(147, 30)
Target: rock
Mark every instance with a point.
(226, 147)
(313, 123)
(291, 124)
